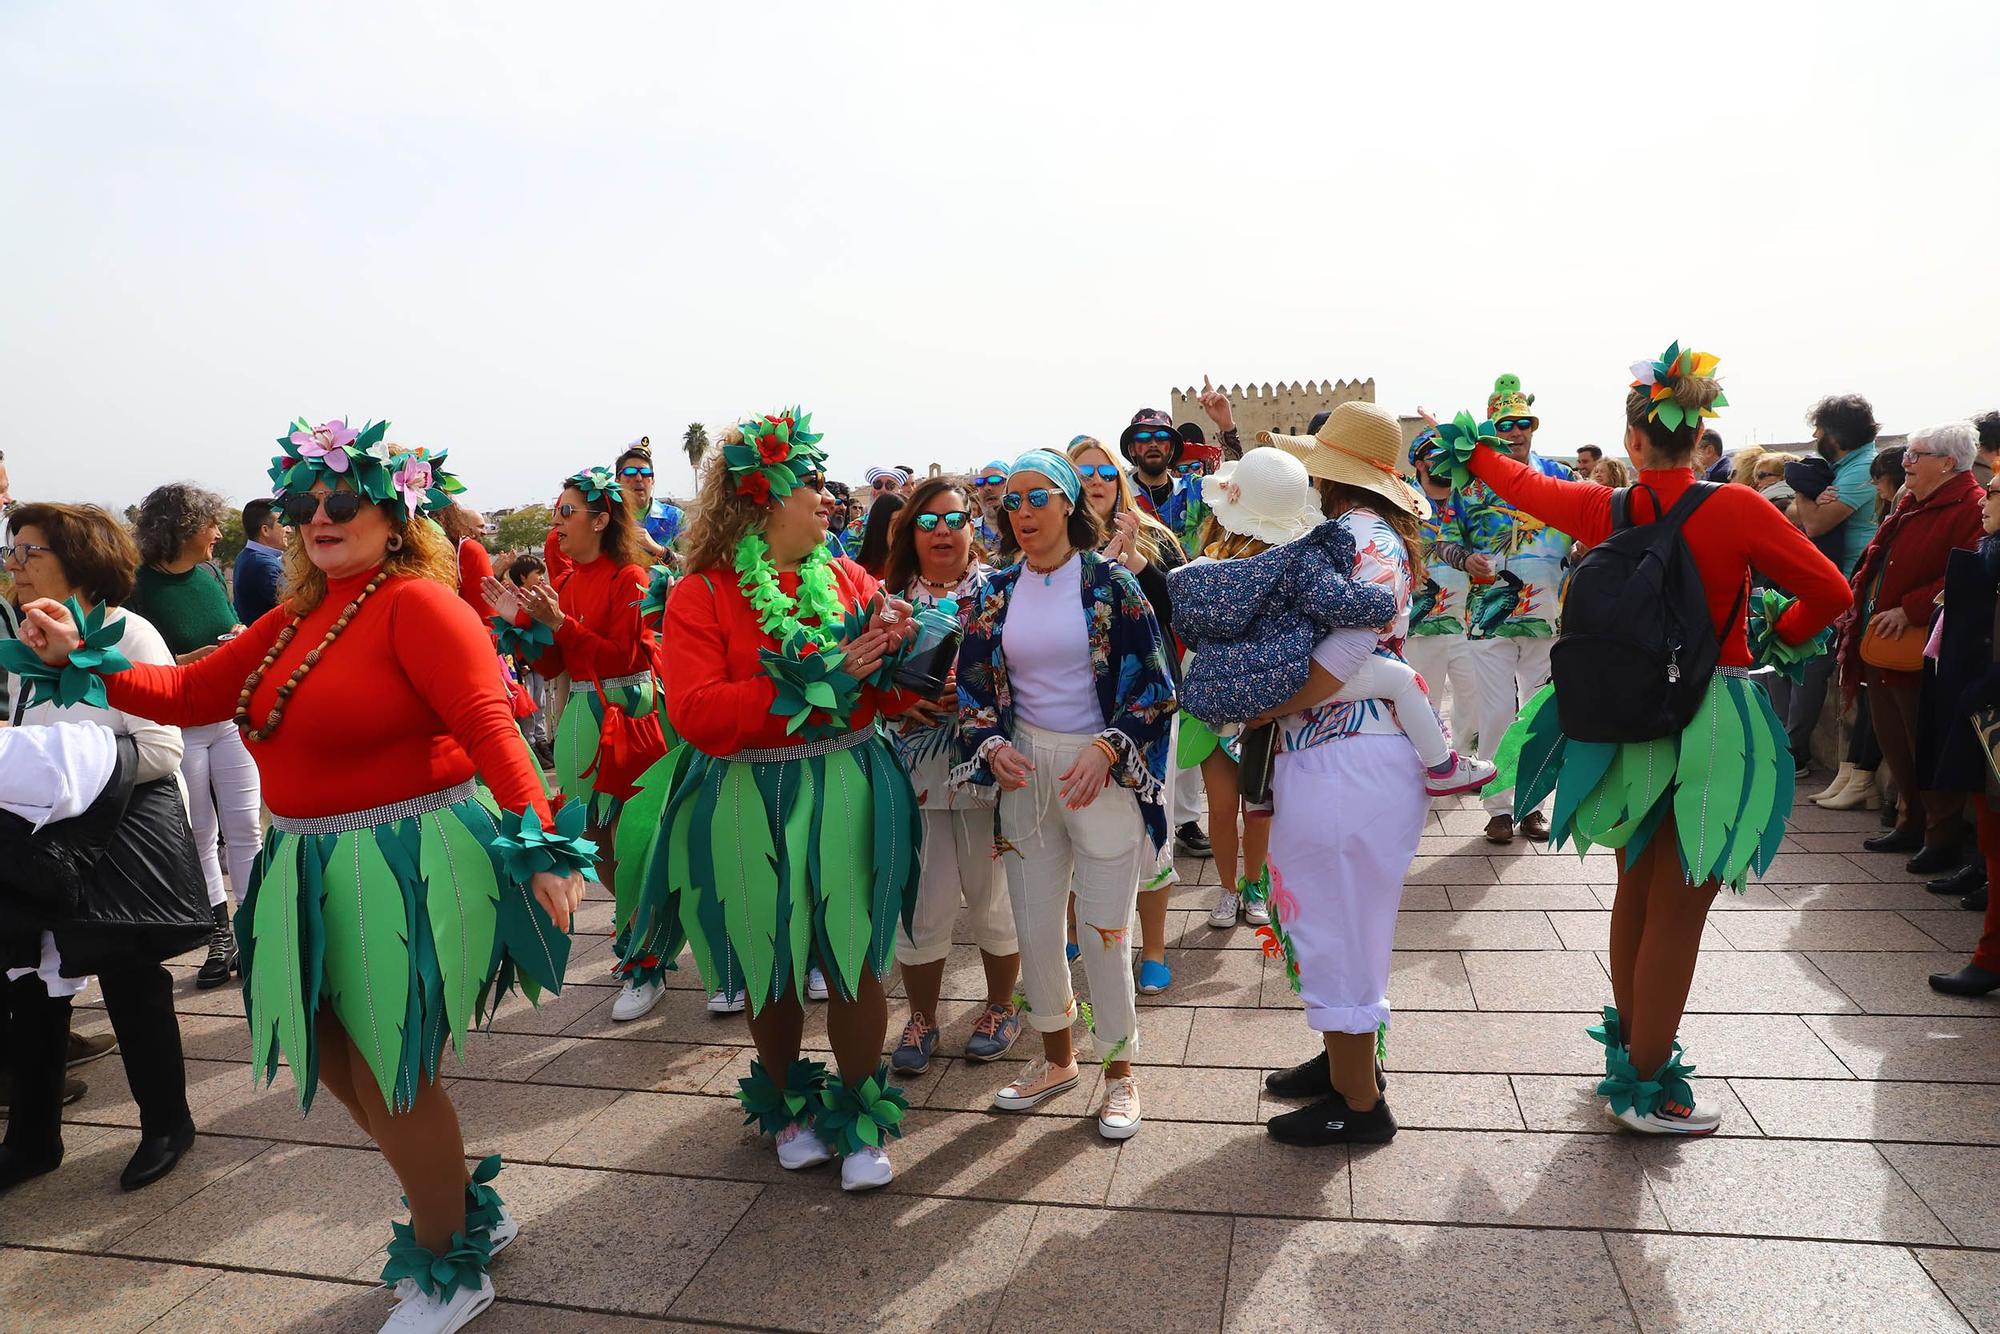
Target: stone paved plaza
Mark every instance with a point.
(1855, 1184)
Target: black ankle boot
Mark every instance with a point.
(221, 960)
(156, 1156)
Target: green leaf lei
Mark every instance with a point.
(782, 617)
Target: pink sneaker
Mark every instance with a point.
(1461, 773)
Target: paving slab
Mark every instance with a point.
(1870, 1109)
(1960, 1183)
(1765, 1285)
(89, 1294)
(1169, 1277)
(1524, 1180)
(1229, 1169)
(1971, 1279)
(1786, 1188)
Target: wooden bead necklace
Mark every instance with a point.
(310, 661)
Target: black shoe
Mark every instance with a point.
(1933, 860)
(155, 1157)
(84, 1050)
(1975, 901)
(1896, 840)
(1967, 981)
(1190, 841)
(1331, 1121)
(17, 1167)
(1801, 772)
(1314, 1079)
(1963, 881)
(221, 960)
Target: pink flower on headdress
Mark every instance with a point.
(413, 478)
(326, 442)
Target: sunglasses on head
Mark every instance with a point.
(635, 470)
(341, 506)
(997, 479)
(1515, 424)
(1140, 437)
(954, 520)
(1037, 499)
(1108, 471)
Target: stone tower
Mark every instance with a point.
(1282, 408)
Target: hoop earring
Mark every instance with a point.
(395, 542)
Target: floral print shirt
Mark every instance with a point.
(1522, 601)
(1379, 558)
(1128, 658)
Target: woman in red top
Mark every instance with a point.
(787, 832)
(1628, 796)
(394, 903)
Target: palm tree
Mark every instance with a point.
(695, 442)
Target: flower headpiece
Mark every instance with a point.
(414, 481)
(1662, 377)
(767, 456)
(596, 485)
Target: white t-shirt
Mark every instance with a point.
(1047, 644)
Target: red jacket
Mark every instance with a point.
(1909, 553)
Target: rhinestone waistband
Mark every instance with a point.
(811, 750)
(577, 687)
(368, 819)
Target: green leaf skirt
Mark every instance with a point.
(768, 867)
(406, 928)
(1197, 741)
(1727, 779)
(578, 732)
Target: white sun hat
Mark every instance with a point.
(1267, 494)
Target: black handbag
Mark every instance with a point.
(43, 873)
(1257, 761)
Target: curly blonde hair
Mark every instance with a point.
(426, 553)
(718, 519)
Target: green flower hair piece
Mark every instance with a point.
(439, 1276)
(596, 484)
(1627, 1091)
(771, 1108)
(1767, 650)
(815, 698)
(659, 583)
(1661, 378)
(82, 680)
(1451, 451)
(415, 481)
(560, 849)
(864, 1116)
(482, 1202)
(766, 456)
(525, 642)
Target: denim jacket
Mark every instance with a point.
(1128, 659)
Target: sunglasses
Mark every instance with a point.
(19, 554)
(1037, 499)
(885, 483)
(997, 479)
(1189, 469)
(954, 520)
(1108, 471)
(1140, 437)
(341, 506)
(813, 481)
(1516, 424)
(632, 470)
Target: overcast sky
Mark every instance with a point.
(530, 233)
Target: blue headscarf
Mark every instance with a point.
(1052, 466)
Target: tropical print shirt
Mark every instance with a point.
(1438, 606)
(1379, 558)
(1184, 512)
(1128, 661)
(1522, 600)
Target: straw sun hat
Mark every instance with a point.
(1266, 495)
(1360, 446)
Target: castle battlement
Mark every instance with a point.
(1285, 408)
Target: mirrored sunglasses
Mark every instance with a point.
(1037, 499)
(1139, 437)
(1515, 424)
(1190, 469)
(1107, 471)
(954, 520)
(995, 479)
(634, 470)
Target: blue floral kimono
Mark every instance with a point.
(1128, 659)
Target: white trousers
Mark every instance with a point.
(224, 796)
(1445, 663)
(1345, 829)
(1098, 850)
(959, 867)
(1505, 673)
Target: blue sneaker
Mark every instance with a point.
(913, 1050)
(1070, 951)
(1154, 978)
(994, 1033)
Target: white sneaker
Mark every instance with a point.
(1226, 906)
(1703, 1119)
(724, 1003)
(815, 984)
(419, 1313)
(1257, 912)
(799, 1148)
(635, 999)
(1467, 774)
(866, 1170)
(1119, 1117)
(503, 1233)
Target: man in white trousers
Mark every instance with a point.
(1437, 647)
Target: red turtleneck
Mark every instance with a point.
(405, 702)
(602, 635)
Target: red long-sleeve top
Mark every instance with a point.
(602, 636)
(718, 694)
(405, 702)
(1732, 530)
(474, 567)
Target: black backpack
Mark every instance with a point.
(1637, 647)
